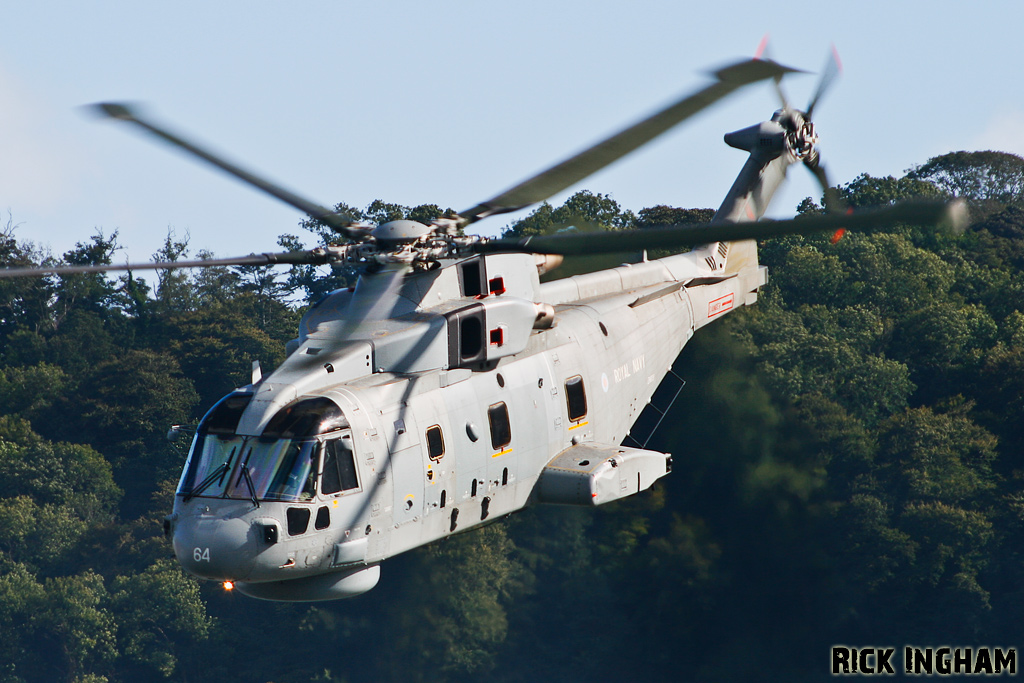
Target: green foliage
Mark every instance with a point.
(71, 476)
(868, 191)
(451, 615)
(161, 616)
(928, 456)
(174, 292)
(583, 209)
(73, 618)
(979, 176)
(215, 347)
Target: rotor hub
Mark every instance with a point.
(804, 140)
(400, 231)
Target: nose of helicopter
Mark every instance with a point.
(215, 547)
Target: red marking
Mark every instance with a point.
(496, 285)
(759, 53)
(720, 305)
(835, 56)
(838, 235)
(497, 337)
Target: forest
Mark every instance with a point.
(848, 469)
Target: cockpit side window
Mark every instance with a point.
(339, 467)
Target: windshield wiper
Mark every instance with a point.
(248, 483)
(205, 484)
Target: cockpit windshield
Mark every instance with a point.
(280, 469)
(212, 459)
(283, 464)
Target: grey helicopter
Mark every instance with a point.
(450, 387)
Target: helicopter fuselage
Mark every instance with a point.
(421, 404)
(438, 451)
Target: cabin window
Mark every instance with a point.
(339, 467)
(575, 398)
(501, 430)
(435, 442)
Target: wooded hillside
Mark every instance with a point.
(848, 468)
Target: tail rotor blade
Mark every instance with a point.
(763, 53)
(830, 196)
(833, 68)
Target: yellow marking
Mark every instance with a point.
(579, 424)
(501, 453)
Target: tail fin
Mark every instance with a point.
(770, 157)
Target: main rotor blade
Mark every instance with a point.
(572, 170)
(948, 214)
(308, 257)
(338, 222)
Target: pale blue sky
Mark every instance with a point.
(451, 102)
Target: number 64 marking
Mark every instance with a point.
(201, 554)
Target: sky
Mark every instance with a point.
(453, 101)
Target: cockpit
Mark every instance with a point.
(304, 450)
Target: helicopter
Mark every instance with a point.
(450, 387)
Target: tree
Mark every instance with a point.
(161, 617)
(450, 619)
(23, 301)
(584, 210)
(21, 596)
(980, 177)
(73, 621)
(72, 477)
(868, 191)
(125, 406)
(90, 292)
(662, 215)
(215, 347)
(930, 457)
(174, 292)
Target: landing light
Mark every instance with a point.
(229, 585)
